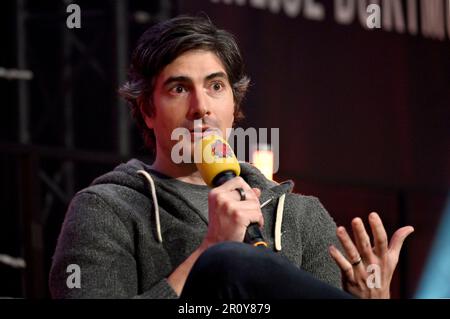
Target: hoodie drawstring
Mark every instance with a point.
(155, 202)
(278, 222)
(278, 216)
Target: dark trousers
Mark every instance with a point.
(239, 271)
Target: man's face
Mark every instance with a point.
(194, 86)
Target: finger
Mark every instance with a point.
(398, 238)
(246, 206)
(379, 234)
(342, 262)
(261, 221)
(249, 195)
(247, 212)
(239, 194)
(257, 192)
(255, 217)
(238, 182)
(362, 239)
(349, 247)
(234, 183)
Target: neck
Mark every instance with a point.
(186, 172)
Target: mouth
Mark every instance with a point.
(201, 132)
(197, 133)
(199, 129)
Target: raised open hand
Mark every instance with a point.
(367, 270)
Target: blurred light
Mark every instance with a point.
(15, 74)
(142, 17)
(435, 282)
(262, 158)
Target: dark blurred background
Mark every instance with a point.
(363, 117)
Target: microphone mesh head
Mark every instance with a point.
(213, 156)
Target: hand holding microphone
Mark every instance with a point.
(234, 207)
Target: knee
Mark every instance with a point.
(227, 249)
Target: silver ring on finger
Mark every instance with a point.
(241, 192)
(356, 263)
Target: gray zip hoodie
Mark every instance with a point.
(127, 241)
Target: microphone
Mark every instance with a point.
(218, 165)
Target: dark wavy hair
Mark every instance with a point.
(163, 43)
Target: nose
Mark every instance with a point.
(199, 107)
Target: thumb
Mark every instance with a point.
(399, 237)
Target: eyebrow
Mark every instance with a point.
(186, 79)
(216, 75)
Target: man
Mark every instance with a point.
(157, 231)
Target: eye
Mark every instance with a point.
(217, 86)
(178, 89)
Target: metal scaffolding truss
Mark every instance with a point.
(47, 109)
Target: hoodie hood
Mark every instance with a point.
(126, 174)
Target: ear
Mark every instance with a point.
(235, 113)
(144, 109)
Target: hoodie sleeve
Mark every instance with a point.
(318, 233)
(97, 244)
